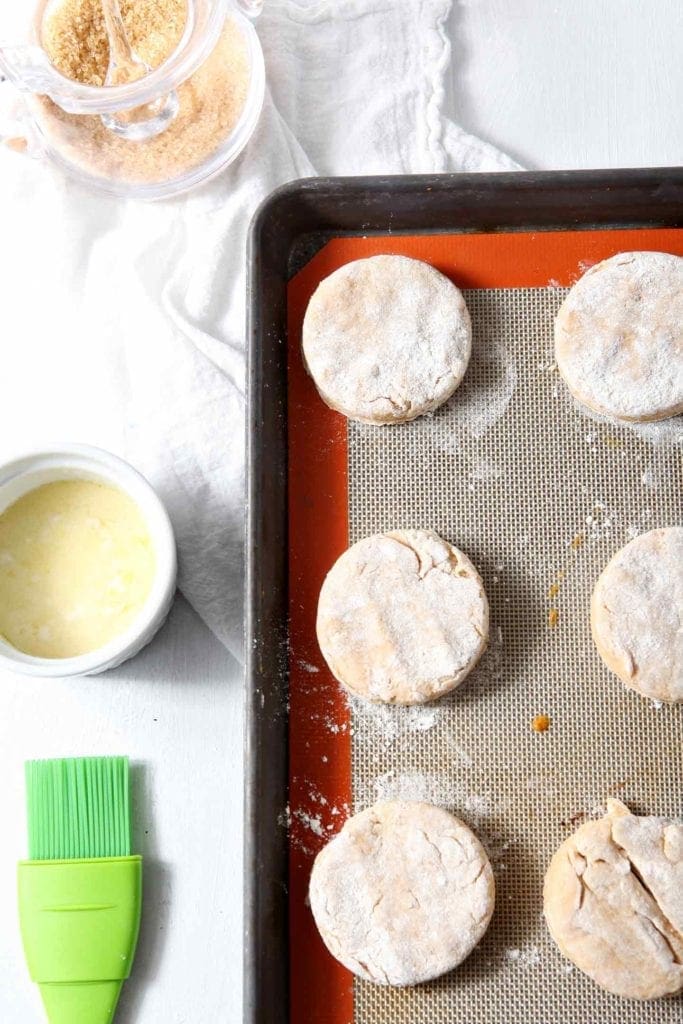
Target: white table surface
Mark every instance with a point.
(578, 83)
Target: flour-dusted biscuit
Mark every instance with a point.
(637, 614)
(386, 339)
(403, 893)
(402, 617)
(613, 900)
(619, 336)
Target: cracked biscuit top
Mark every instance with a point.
(386, 339)
(402, 617)
(403, 893)
(613, 900)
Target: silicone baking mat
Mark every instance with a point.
(540, 494)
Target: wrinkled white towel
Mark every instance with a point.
(123, 323)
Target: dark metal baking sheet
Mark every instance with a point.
(289, 228)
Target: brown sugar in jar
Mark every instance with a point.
(211, 100)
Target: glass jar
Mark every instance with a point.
(190, 112)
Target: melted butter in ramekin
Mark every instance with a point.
(76, 567)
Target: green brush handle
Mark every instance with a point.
(79, 924)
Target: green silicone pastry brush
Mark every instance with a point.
(80, 891)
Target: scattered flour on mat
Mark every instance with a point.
(392, 723)
(413, 786)
(311, 822)
(459, 752)
(608, 522)
(477, 407)
(599, 521)
(477, 806)
(528, 956)
(652, 477)
(484, 470)
(308, 667)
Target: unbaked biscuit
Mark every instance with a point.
(637, 614)
(403, 893)
(386, 339)
(613, 901)
(619, 337)
(402, 617)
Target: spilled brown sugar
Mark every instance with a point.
(210, 101)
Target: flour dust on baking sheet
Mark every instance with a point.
(540, 494)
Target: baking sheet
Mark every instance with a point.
(540, 494)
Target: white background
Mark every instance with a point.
(582, 83)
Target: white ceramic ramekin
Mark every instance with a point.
(81, 461)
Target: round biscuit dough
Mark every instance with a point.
(402, 617)
(386, 339)
(613, 901)
(619, 337)
(637, 614)
(403, 893)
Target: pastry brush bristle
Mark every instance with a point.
(78, 807)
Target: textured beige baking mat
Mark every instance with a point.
(540, 494)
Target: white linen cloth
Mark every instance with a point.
(126, 321)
